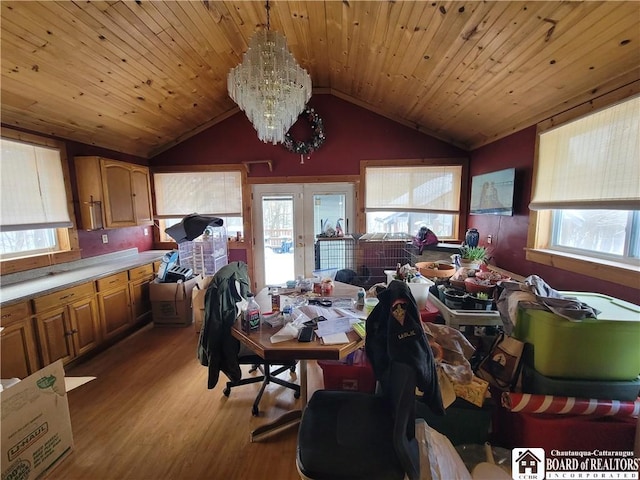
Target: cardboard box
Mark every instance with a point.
(36, 426)
(171, 302)
(197, 301)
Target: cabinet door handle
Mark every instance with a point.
(68, 334)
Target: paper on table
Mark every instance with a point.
(353, 314)
(288, 332)
(336, 325)
(335, 338)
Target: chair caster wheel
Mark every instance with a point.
(255, 411)
(296, 394)
(226, 391)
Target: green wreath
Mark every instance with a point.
(304, 148)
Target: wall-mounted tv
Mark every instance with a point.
(492, 193)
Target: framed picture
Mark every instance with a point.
(492, 193)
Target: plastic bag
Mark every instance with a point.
(439, 460)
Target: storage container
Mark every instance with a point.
(536, 383)
(606, 348)
(563, 432)
(354, 373)
(458, 318)
(420, 292)
(429, 313)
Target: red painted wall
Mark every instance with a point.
(355, 134)
(352, 134)
(510, 232)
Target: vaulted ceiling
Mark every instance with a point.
(140, 76)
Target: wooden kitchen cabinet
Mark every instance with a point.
(18, 347)
(112, 194)
(114, 301)
(141, 183)
(67, 323)
(139, 280)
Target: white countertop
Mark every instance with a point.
(80, 272)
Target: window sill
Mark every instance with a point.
(610, 271)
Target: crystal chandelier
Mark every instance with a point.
(269, 85)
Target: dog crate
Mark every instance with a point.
(377, 252)
(206, 254)
(335, 252)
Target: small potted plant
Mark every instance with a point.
(480, 301)
(472, 257)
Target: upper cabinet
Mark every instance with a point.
(112, 194)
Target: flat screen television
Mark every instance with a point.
(492, 193)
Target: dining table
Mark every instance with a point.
(259, 341)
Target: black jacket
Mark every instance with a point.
(217, 349)
(394, 333)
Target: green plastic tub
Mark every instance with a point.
(606, 348)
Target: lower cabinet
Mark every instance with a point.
(67, 323)
(139, 280)
(85, 325)
(114, 301)
(18, 346)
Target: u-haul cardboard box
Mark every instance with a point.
(35, 426)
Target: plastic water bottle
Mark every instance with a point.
(360, 301)
(252, 314)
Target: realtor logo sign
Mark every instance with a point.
(527, 463)
(533, 464)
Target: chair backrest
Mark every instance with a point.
(398, 386)
(217, 348)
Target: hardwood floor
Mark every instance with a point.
(149, 415)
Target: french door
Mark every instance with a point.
(287, 218)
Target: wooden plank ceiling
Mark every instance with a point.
(140, 76)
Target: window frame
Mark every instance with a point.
(69, 247)
(459, 227)
(538, 248)
(245, 193)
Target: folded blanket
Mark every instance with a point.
(536, 293)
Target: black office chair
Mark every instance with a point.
(355, 435)
(219, 350)
(268, 376)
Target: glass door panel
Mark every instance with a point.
(288, 218)
(277, 232)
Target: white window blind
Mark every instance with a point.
(205, 193)
(419, 188)
(33, 194)
(592, 162)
